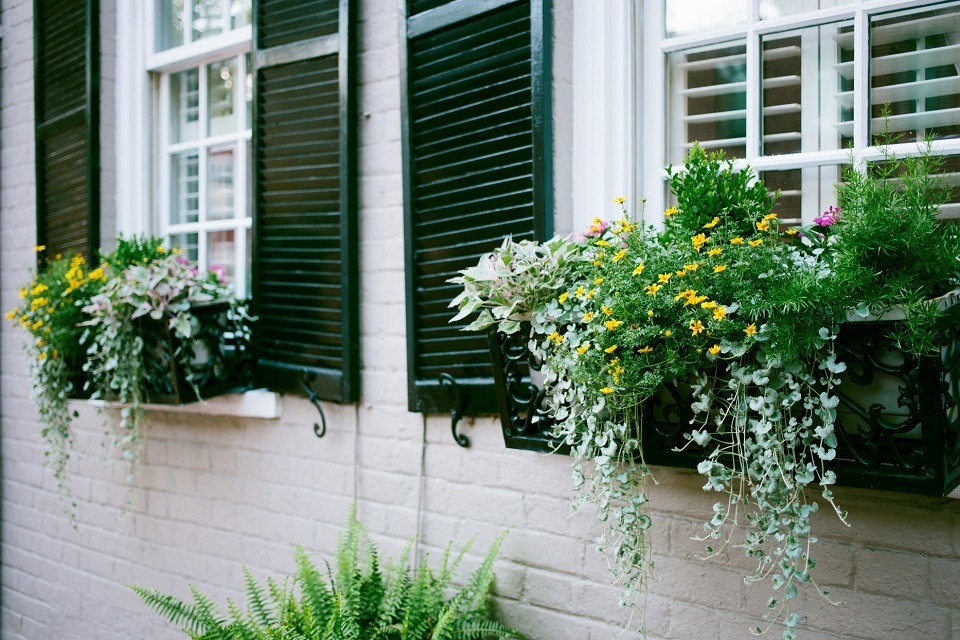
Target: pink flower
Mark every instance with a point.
(829, 217)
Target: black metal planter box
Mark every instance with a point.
(899, 416)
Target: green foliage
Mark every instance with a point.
(361, 602)
(134, 250)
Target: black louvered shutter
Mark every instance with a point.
(305, 237)
(67, 117)
(477, 133)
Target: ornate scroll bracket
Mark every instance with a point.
(306, 379)
(456, 411)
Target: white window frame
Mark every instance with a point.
(143, 148)
(652, 85)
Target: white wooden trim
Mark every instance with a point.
(223, 45)
(257, 403)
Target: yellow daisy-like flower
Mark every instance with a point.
(686, 294)
(582, 349)
(770, 216)
(607, 311)
(588, 316)
(161, 250)
(23, 292)
(620, 255)
(791, 232)
(714, 350)
(627, 225)
(619, 199)
(652, 289)
(598, 280)
(681, 273)
(694, 300)
(602, 243)
(650, 312)
(606, 391)
(751, 329)
(37, 290)
(555, 338)
(763, 225)
(736, 241)
(40, 247)
(39, 342)
(42, 356)
(709, 304)
(756, 243)
(720, 268)
(713, 253)
(612, 325)
(579, 291)
(668, 333)
(696, 327)
(175, 251)
(36, 325)
(563, 297)
(693, 266)
(645, 350)
(97, 274)
(591, 293)
(664, 277)
(719, 313)
(11, 314)
(610, 349)
(39, 302)
(638, 269)
(672, 211)
(712, 223)
(698, 241)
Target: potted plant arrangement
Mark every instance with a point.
(101, 332)
(744, 314)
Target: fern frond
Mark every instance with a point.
(174, 609)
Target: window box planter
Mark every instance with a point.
(899, 415)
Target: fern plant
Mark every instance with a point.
(363, 601)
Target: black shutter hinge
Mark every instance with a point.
(456, 411)
(306, 379)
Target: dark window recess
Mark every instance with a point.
(305, 252)
(66, 93)
(476, 152)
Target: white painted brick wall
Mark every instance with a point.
(218, 493)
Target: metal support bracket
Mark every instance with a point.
(306, 379)
(456, 411)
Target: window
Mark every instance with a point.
(204, 91)
(798, 89)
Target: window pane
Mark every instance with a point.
(914, 59)
(707, 100)
(171, 23)
(685, 17)
(221, 254)
(188, 243)
(221, 84)
(208, 18)
(804, 193)
(220, 184)
(240, 13)
(185, 188)
(248, 92)
(807, 89)
(185, 106)
(773, 9)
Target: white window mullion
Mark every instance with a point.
(754, 96)
(187, 21)
(654, 116)
(162, 217)
(861, 82)
(202, 155)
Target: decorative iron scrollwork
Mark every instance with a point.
(456, 409)
(307, 378)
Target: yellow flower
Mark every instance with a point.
(627, 225)
(719, 313)
(709, 304)
(638, 270)
(619, 199)
(39, 342)
(694, 300)
(563, 297)
(55, 354)
(607, 311)
(37, 290)
(650, 312)
(582, 349)
(672, 211)
(698, 241)
(736, 241)
(720, 268)
(685, 295)
(770, 216)
(652, 289)
(602, 243)
(612, 325)
(620, 255)
(161, 250)
(668, 333)
(97, 274)
(712, 223)
(39, 302)
(588, 316)
(57, 257)
(681, 272)
(714, 252)
(714, 350)
(696, 327)
(763, 225)
(555, 338)
(791, 232)
(175, 251)
(579, 291)
(665, 277)
(591, 293)
(36, 325)
(610, 349)
(40, 247)
(751, 329)
(11, 314)
(598, 280)
(606, 391)
(645, 350)
(23, 292)
(756, 243)
(42, 356)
